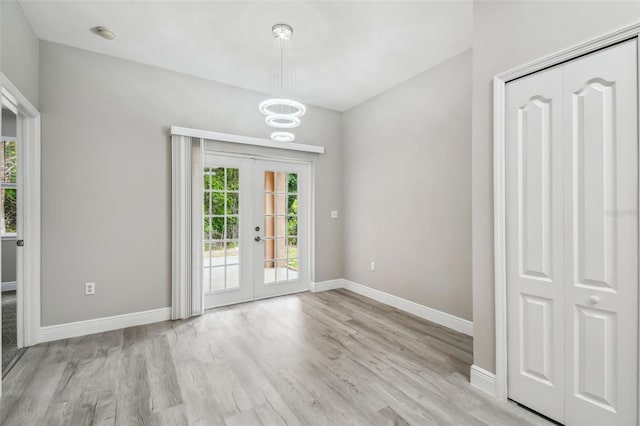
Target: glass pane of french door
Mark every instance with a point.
(280, 226)
(226, 230)
(221, 257)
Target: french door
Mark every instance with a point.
(572, 239)
(255, 229)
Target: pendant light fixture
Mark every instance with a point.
(281, 112)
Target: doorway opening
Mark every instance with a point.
(24, 187)
(9, 223)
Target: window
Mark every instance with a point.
(8, 186)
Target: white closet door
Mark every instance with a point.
(601, 237)
(534, 242)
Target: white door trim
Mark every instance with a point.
(28, 268)
(499, 189)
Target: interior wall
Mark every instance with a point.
(507, 34)
(19, 50)
(9, 123)
(9, 248)
(9, 265)
(407, 189)
(106, 177)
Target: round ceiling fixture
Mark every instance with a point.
(282, 107)
(104, 32)
(283, 136)
(283, 121)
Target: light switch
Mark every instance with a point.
(334, 214)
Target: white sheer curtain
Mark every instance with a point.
(186, 227)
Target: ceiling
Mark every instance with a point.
(344, 52)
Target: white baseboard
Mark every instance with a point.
(98, 325)
(326, 285)
(442, 318)
(9, 286)
(447, 320)
(483, 380)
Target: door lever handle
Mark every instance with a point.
(258, 239)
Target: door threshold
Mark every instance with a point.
(531, 410)
(238, 302)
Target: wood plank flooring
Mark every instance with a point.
(331, 358)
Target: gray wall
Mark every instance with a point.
(9, 123)
(18, 50)
(106, 175)
(407, 189)
(8, 260)
(507, 34)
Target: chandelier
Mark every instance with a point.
(281, 112)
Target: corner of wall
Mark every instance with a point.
(343, 200)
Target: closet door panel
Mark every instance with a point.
(534, 242)
(601, 236)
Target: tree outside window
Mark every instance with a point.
(8, 185)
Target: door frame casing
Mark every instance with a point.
(310, 257)
(28, 268)
(499, 180)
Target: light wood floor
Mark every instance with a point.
(331, 358)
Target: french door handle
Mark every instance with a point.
(258, 239)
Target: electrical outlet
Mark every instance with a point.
(334, 214)
(89, 289)
(372, 266)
